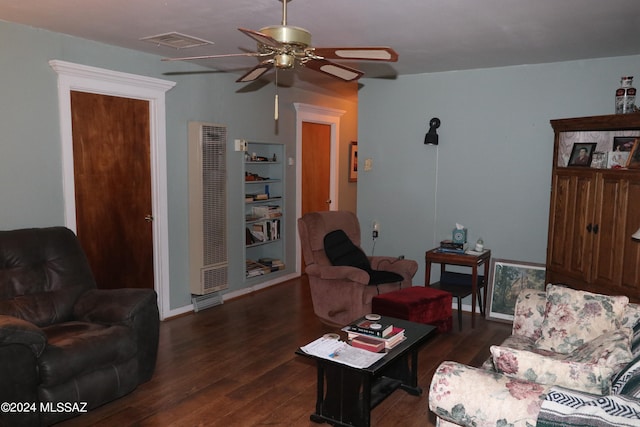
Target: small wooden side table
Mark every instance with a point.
(467, 260)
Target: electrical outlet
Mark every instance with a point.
(375, 234)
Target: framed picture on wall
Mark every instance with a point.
(353, 161)
(507, 279)
(582, 154)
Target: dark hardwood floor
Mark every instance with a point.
(234, 365)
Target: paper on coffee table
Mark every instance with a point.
(341, 352)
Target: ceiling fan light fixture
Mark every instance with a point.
(288, 34)
(284, 61)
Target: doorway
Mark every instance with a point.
(82, 78)
(112, 176)
(330, 118)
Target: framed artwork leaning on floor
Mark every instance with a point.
(507, 279)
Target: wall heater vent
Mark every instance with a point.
(208, 259)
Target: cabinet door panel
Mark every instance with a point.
(572, 209)
(631, 258)
(610, 218)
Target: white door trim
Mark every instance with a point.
(322, 115)
(82, 78)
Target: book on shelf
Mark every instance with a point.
(263, 231)
(266, 211)
(273, 263)
(255, 269)
(370, 327)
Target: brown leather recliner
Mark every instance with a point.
(342, 293)
(65, 346)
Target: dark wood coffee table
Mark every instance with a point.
(346, 395)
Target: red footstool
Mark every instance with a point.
(417, 304)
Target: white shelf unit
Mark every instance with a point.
(264, 186)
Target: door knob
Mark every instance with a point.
(148, 218)
(328, 201)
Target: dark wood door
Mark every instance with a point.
(112, 172)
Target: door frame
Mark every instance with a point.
(82, 78)
(322, 115)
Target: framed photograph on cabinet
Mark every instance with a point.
(623, 143)
(353, 161)
(507, 279)
(633, 162)
(582, 154)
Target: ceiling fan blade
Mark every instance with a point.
(262, 38)
(335, 70)
(365, 53)
(256, 72)
(226, 55)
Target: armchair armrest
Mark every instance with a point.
(405, 267)
(529, 313)
(135, 308)
(18, 331)
(470, 396)
(112, 305)
(338, 272)
(589, 368)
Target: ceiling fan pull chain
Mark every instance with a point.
(275, 114)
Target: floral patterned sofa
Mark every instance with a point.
(573, 359)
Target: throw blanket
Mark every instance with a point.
(564, 407)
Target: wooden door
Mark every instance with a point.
(112, 172)
(316, 167)
(316, 170)
(570, 245)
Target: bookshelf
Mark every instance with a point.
(264, 211)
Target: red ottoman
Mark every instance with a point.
(418, 304)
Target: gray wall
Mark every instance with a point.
(492, 169)
(31, 191)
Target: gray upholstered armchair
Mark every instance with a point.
(342, 293)
(62, 341)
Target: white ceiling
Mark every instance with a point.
(429, 35)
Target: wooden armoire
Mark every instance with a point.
(594, 211)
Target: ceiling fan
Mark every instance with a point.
(285, 47)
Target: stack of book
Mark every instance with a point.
(256, 269)
(451, 247)
(273, 263)
(266, 211)
(377, 338)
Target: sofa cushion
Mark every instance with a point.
(574, 317)
(76, 348)
(589, 368)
